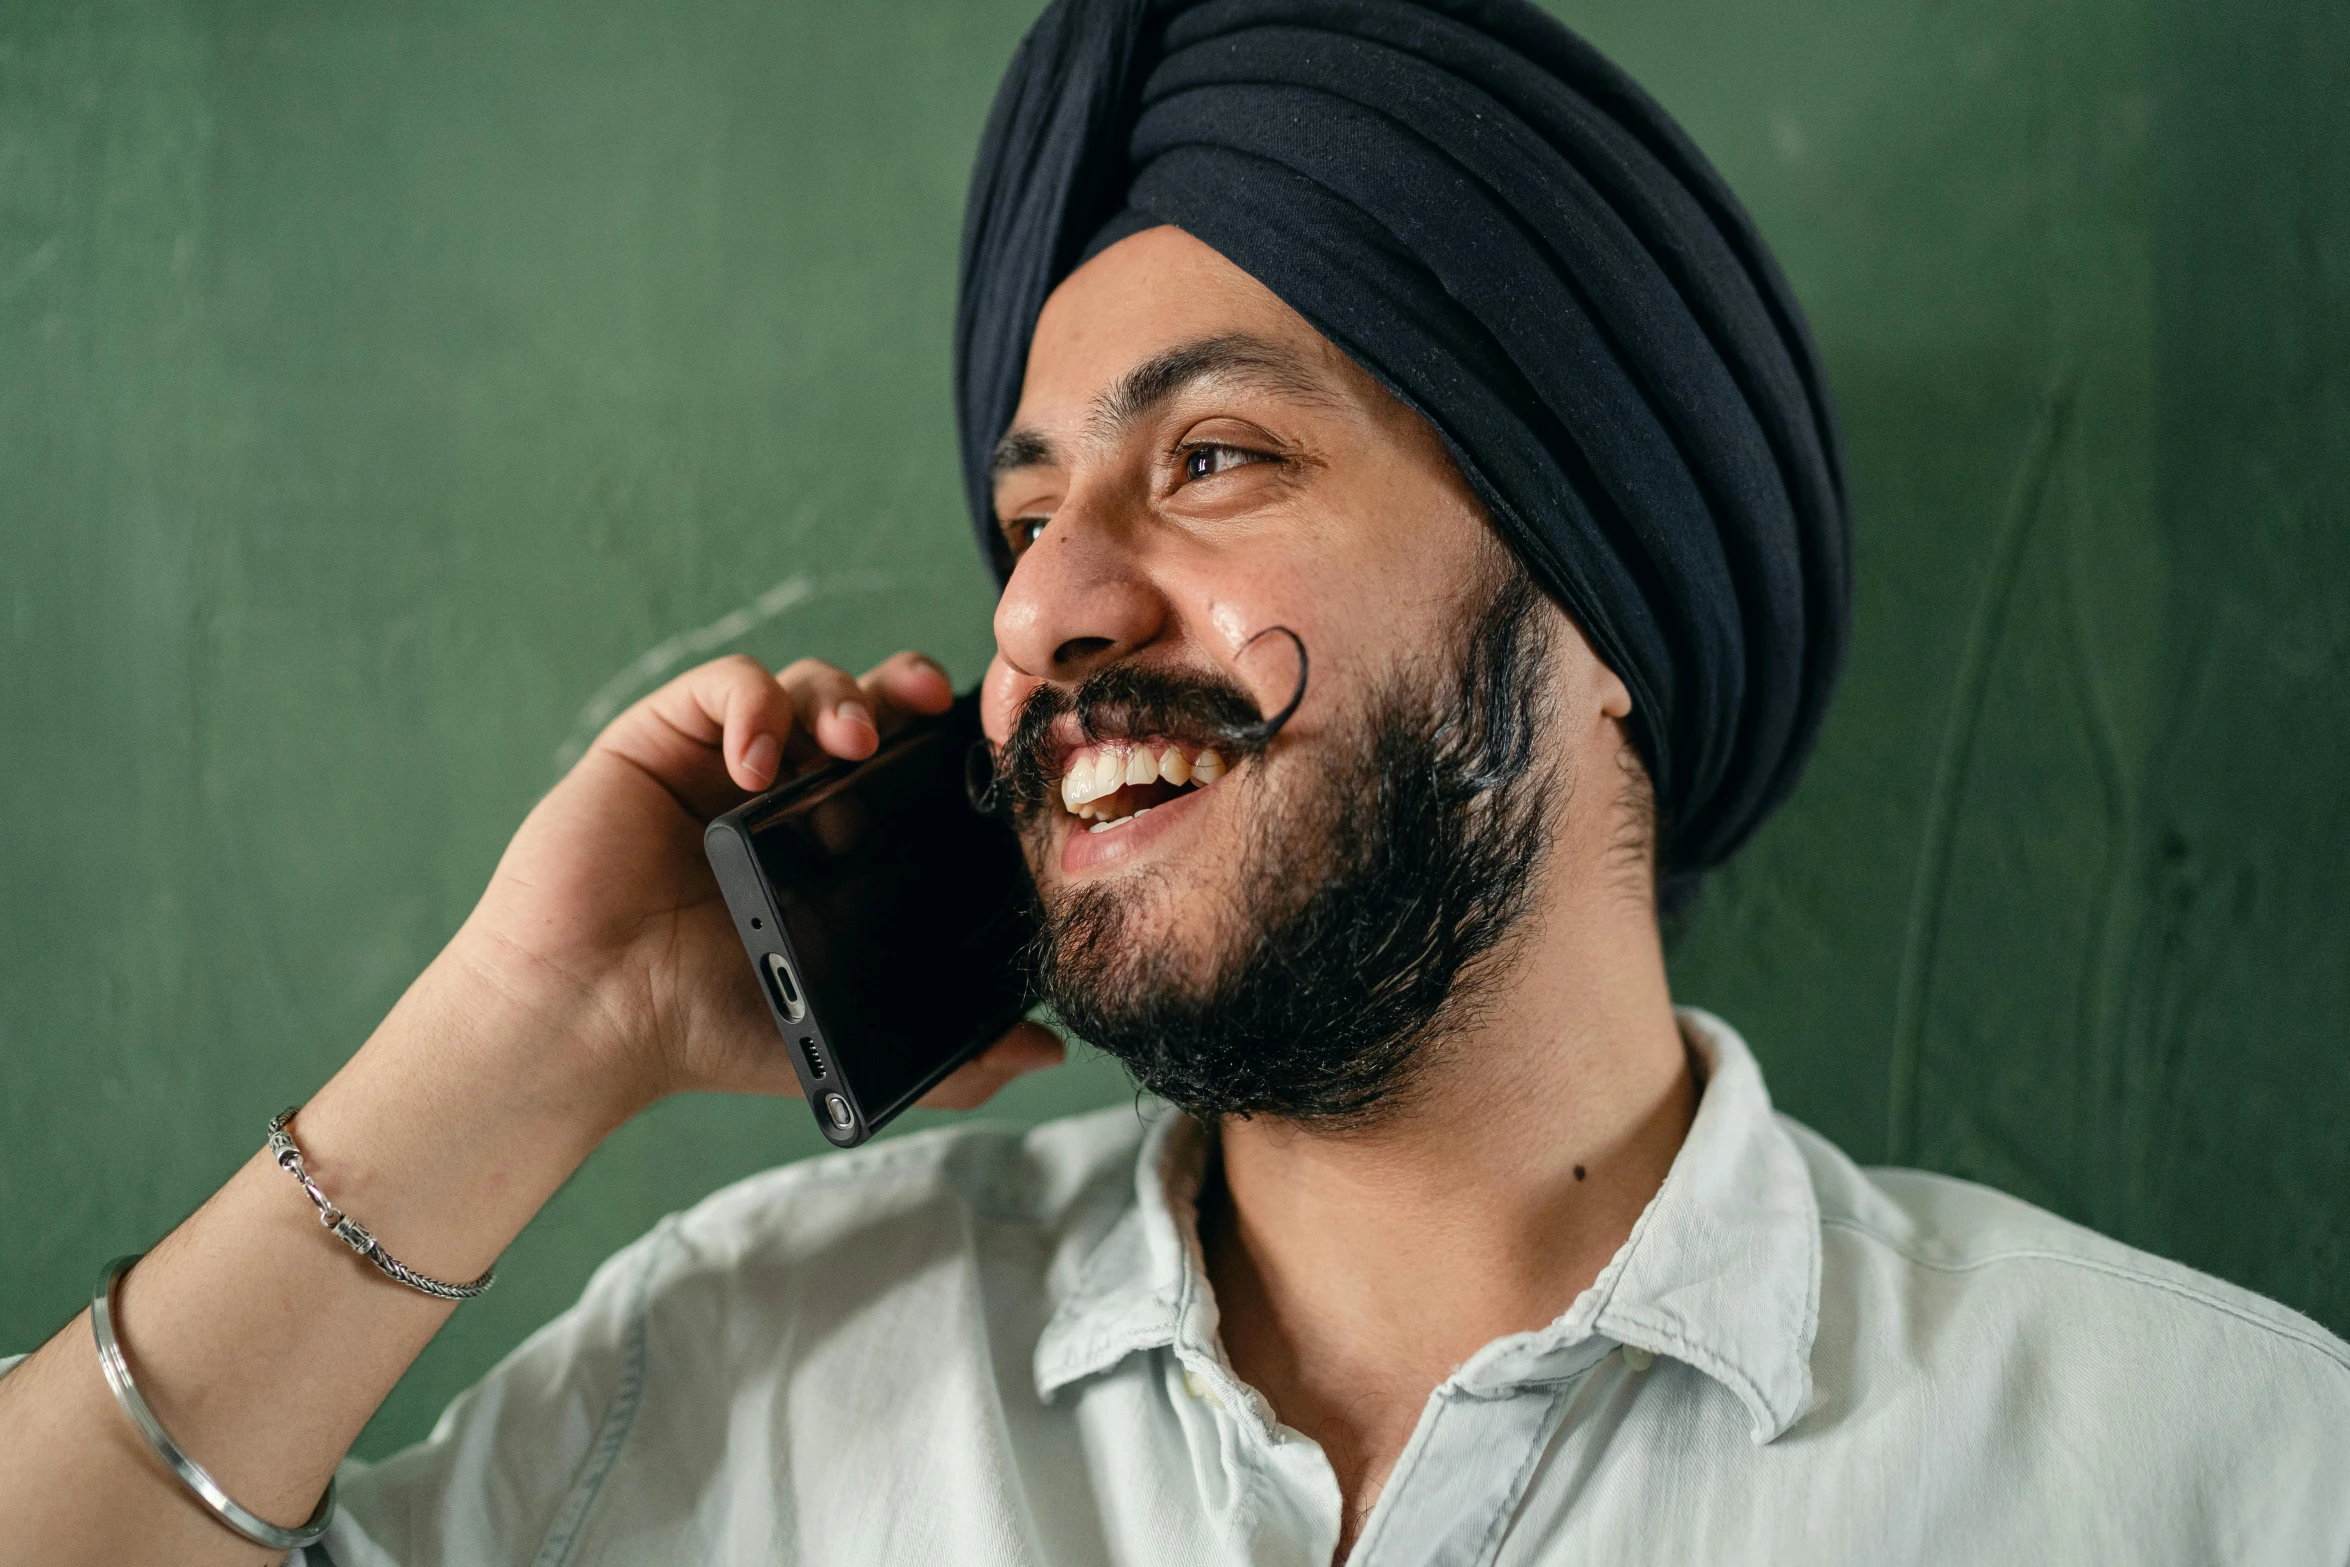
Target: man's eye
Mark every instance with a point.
(1205, 462)
(1022, 531)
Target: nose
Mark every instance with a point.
(1078, 601)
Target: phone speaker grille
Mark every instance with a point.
(814, 1057)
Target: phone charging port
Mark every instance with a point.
(787, 988)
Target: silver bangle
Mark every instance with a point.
(353, 1234)
(188, 1472)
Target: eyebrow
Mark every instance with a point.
(1148, 386)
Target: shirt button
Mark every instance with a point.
(1197, 1386)
(1637, 1359)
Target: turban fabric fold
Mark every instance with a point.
(1515, 240)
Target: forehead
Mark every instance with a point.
(1156, 294)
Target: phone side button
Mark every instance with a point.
(837, 1110)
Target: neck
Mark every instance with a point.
(1355, 1270)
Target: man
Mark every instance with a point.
(1415, 333)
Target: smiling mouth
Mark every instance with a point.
(1110, 784)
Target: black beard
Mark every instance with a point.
(1370, 896)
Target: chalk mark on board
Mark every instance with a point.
(647, 669)
(1938, 844)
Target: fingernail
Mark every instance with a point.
(760, 755)
(855, 713)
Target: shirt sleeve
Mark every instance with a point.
(514, 1464)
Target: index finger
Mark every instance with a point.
(712, 736)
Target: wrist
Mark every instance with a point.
(549, 1040)
(474, 1100)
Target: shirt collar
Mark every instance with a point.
(1144, 1285)
(1721, 1272)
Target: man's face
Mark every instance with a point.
(1193, 465)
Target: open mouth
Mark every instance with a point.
(1112, 783)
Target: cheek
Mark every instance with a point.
(1228, 603)
(1245, 638)
(1350, 619)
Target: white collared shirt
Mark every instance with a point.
(986, 1346)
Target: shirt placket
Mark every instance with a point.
(1454, 1490)
(1460, 1479)
(1286, 1501)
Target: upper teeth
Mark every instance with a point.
(1095, 772)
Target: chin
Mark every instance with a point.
(1134, 932)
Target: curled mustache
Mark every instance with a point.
(1125, 702)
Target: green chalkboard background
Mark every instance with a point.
(387, 392)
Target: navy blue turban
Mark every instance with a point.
(1520, 244)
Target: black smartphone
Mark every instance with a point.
(884, 915)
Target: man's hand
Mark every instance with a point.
(603, 908)
(598, 972)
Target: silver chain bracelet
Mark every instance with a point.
(186, 1470)
(349, 1230)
